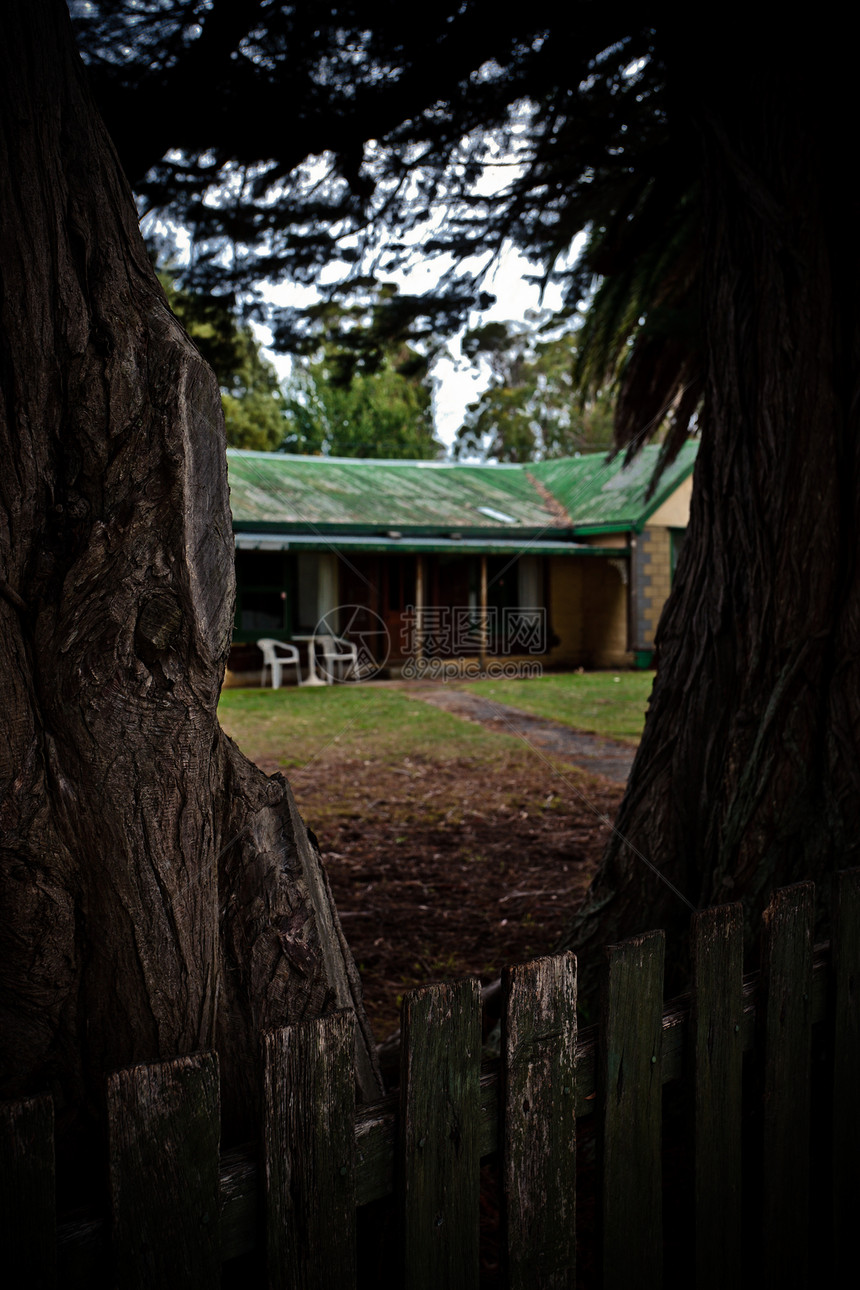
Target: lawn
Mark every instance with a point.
(604, 703)
(296, 727)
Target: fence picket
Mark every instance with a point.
(631, 1088)
(717, 1008)
(309, 1148)
(28, 1220)
(438, 1148)
(164, 1130)
(845, 1055)
(538, 1129)
(322, 1160)
(786, 1035)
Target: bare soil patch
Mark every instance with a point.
(446, 869)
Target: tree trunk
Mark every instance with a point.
(160, 895)
(748, 774)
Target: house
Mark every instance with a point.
(559, 563)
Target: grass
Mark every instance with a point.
(603, 703)
(294, 727)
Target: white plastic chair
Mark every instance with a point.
(277, 655)
(336, 654)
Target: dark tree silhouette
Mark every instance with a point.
(159, 893)
(748, 774)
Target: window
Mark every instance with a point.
(263, 600)
(316, 588)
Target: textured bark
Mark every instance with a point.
(748, 774)
(160, 895)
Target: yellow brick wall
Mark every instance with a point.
(655, 547)
(619, 540)
(588, 610)
(675, 511)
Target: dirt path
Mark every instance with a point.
(591, 753)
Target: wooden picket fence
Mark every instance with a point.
(758, 1163)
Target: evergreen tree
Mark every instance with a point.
(532, 408)
(358, 389)
(377, 414)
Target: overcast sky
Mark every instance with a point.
(457, 382)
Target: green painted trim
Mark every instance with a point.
(396, 546)
(589, 530)
(446, 533)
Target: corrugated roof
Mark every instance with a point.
(279, 488)
(554, 497)
(596, 491)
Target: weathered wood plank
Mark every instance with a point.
(439, 1140)
(538, 1123)
(81, 1242)
(28, 1220)
(240, 1204)
(786, 1020)
(309, 1153)
(717, 1065)
(164, 1133)
(630, 1094)
(845, 1055)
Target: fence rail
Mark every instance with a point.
(755, 1057)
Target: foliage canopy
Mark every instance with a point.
(279, 134)
(530, 409)
(377, 414)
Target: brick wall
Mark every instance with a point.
(652, 571)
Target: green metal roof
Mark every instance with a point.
(599, 493)
(279, 488)
(554, 499)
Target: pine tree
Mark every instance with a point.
(531, 409)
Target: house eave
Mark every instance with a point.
(272, 539)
